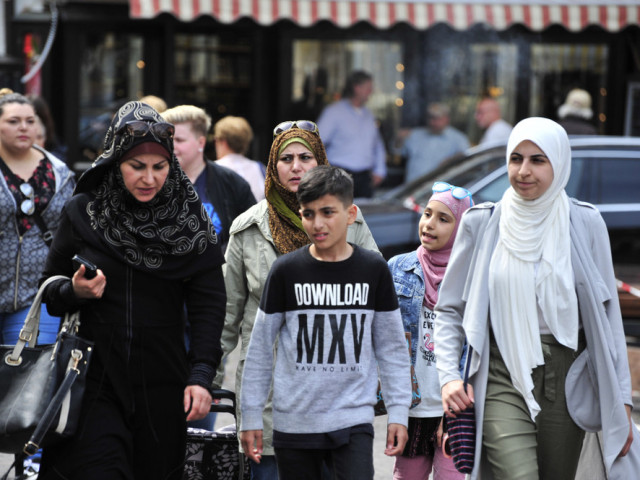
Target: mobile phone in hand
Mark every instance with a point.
(90, 269)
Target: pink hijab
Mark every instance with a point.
(434, 263)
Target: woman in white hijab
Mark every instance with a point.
(530, 285)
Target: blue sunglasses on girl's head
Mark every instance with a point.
(456, 192)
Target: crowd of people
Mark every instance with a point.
(197, 256)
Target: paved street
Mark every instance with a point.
(383, 464)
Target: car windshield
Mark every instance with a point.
(466, 175)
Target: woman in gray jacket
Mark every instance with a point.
(34, 188)
(530, 285)
(259, 236)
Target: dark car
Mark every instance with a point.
(605, 171)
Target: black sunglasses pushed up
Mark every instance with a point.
(140, 128)
(307, 125)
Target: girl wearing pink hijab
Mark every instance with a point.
(417, 276)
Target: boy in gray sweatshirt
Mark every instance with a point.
(333, 308)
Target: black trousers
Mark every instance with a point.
(353, 461)
(145, 441)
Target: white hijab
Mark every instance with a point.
(534, 232)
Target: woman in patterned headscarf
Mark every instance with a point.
(260, 235)
(137, 217)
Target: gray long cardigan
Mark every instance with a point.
(604, 362)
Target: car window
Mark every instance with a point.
(477, 170)
(576, 186)
(493, 190)
(619, 180)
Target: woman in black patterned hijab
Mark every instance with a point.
(137, 217)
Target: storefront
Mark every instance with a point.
(270, 60)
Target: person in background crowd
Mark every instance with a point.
(530, 286)
(417, 276)
(426, 148)
(233, 136)
(156, 102)
(224, 193)
(51, 143)
(41, 133)
(575, 113)
(259, 236)
(351, 135)
(489, 118)
(34, 188)
(322, 400)
(137, 217)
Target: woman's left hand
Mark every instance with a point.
(627, 444)
(197, 402)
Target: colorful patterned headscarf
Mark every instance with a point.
(284, 218)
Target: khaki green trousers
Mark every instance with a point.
(518, 448)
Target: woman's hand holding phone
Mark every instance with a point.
(88, 281)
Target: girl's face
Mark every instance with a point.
(293, 163)
(436, 225)
(144, 175)
(18, 126)
(530, 171)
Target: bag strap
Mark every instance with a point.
(29, 331)
(45, 233)
(45, 422)
(467, 366)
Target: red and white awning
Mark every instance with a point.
(574, 15)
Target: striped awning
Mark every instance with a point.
(575, 15)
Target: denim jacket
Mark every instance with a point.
(408, 280)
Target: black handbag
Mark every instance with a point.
(41, 386)
(460, 442)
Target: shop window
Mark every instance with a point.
(320, 69)
(460, 75)
(213, 72)
(556, 69)
(111, 73)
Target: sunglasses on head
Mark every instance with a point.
(140, 128)
(307, 125)
(458, 193)
(28, 205)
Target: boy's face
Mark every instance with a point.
(326, 221)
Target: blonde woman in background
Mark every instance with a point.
(233, 136)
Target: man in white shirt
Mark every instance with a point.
(489, 118)
(426, 148)
(351, 136)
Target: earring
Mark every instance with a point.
(201, 149)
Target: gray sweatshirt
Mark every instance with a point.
(336, 323)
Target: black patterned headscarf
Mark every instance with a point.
(170, 235)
